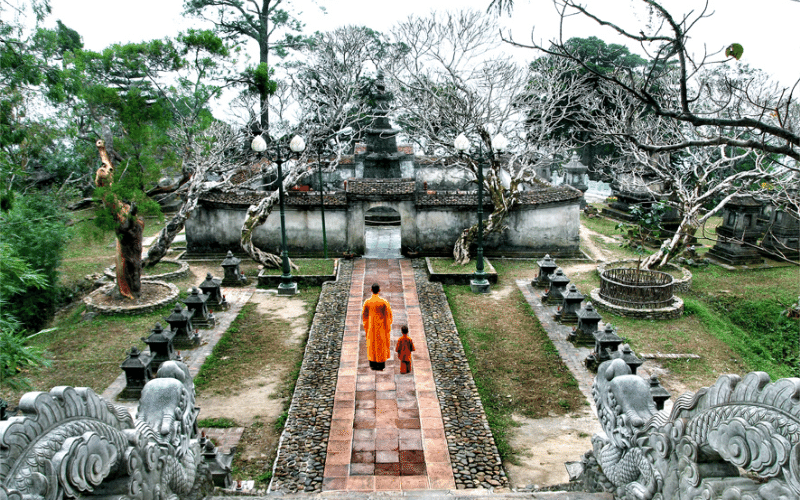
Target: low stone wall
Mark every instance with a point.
(183, 270)
(683, 284)
(473, 454)
(273, 280)
(460, 278)
(672, 312)
(93, 306)
(302, 449)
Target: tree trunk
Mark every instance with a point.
(256, 216)
(129, 230)
(673, 246)
(495, 223)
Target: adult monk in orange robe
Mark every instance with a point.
(377, 318)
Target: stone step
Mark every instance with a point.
(475, 494)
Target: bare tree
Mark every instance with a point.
(454, 81)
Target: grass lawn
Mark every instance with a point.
(515, 365)
(308, 267)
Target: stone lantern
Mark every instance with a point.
(233, 276)
(197, 303)
(588, 319)
(568, 311)
(547, 266)
(657, 391)
(739, 233)
(211, 287)
(627, 355)
(575, 174)
(606, 341)
(137, 372)
(558, 287)
(161, 347)
(181, 321)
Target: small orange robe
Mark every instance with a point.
(377, 318)
(404, 347)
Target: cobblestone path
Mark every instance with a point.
(387, 432)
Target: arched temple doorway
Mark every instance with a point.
(382, 233)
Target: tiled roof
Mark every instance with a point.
(542, 196)
(391, 188)
(292, 198)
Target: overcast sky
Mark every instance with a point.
(768, 29)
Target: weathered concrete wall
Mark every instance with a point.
(217, 229)
(533, 230)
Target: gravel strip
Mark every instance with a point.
(300, 461)
(473, 454)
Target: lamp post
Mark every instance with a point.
(322, 201)
(259, 145)
(479, 284)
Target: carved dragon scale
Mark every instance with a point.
(697, 450)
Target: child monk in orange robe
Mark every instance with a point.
(404, 347)
(377, 318)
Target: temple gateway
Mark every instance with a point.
(431, 200)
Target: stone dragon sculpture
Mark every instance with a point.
(697, 450)
(70, 443)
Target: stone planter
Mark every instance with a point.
(462, 278)
(183, 270)
(169, 294)
(683, 284)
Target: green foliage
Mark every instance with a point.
(33, 232)
(761, 350)
(216, 423)
(15, 359)
(647, 227)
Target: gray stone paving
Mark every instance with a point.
(382, 243)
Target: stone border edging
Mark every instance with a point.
(469, 438)
(680, 285)
(132, 309)
(672, 312)
(302, 448)
(273, 280)
(183, 270)
(460, 278)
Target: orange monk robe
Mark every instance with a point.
(377, 318)
(404, 347)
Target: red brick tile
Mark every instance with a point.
(410, 434)
(332, 470)
(385, 423)
(338, 404)
(407, 403)
(367, 413)
(387, 469)
(440, 456)
(364, 434)
(386, 404)
(334, 484)
(432, 423)
(426, 412)
(361, 483)
(338, 458)
(427, 394)
(365, 404)
(388, 482)
(339, 445)
(364, 423)
(387, 433)
(408, 469)
(365, 445)
(362, 469)
(363, 457)
(385, 386)
(386, 444)
(410, 444)
(433, 444)
(342, 432)
(408, 413)
(408, 423)
(342, 413)
(365, 395)
(413, 456)
(385, 457)
(344, 396)
(413, 482)
(434, 433)
(386, 395)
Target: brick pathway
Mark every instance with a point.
(387, 432)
